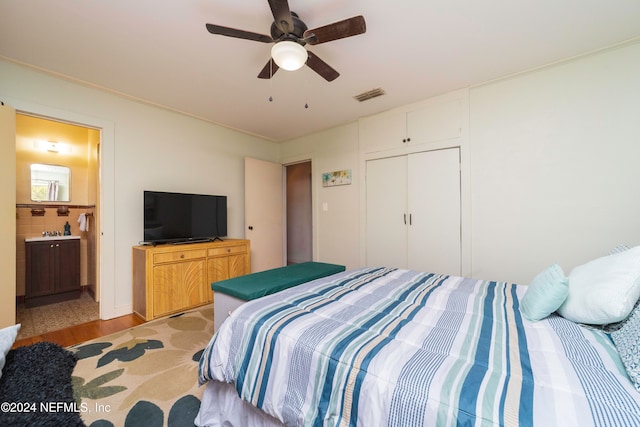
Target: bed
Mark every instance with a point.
(393, 347)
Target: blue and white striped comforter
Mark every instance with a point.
(389, 347)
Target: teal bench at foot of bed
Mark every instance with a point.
(231, 293)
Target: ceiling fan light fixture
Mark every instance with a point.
(289, 55)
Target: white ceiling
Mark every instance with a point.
(159, 51)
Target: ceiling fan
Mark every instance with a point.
(290, 34)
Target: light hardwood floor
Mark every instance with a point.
(83, 332)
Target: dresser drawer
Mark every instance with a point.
(227, 250)
(179, 256)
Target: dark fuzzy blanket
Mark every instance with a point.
(35, 388)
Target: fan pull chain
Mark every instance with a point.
(270, 79)
(306, 90)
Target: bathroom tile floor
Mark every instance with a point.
(38, 320)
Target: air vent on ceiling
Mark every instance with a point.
(373, 93)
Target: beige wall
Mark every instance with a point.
(554, 165)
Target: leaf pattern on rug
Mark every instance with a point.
(129, 351)
(148, 414)
(188, 324)
(94, 389)
(189, 341)
(147, 372)
(168, 384)
(157, 363)
(142, 332)
(186, 407)
(91, 350)
(144, 413)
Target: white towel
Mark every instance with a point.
(84, 222)
(52, 190)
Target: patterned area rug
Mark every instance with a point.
(145, 376)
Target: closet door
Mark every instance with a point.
(434, 208)
(386, 212)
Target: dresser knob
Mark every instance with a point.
(181, 256)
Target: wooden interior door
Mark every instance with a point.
(8, 215)
(434, 243)
(263, 213)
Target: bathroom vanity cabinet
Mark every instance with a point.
(52, 270)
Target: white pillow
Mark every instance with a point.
(7, 338)
(603, 290)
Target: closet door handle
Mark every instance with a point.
(410, 219)
(405, 219)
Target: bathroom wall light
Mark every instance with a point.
(52, 146)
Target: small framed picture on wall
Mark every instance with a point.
(330, 179)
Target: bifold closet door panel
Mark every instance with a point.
(434, 208)
(386, 181)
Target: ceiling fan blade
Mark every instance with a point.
(240, 34)
(337, 30)
(282, 15)
(269, 70)
(321, 67)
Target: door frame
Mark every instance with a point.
(315, 182)
(286, 204)
(106, 193)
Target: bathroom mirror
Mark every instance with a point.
(50, 183)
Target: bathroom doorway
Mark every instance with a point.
(45, 141)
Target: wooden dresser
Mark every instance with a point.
(170, 279)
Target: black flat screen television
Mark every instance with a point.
(183, 217)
